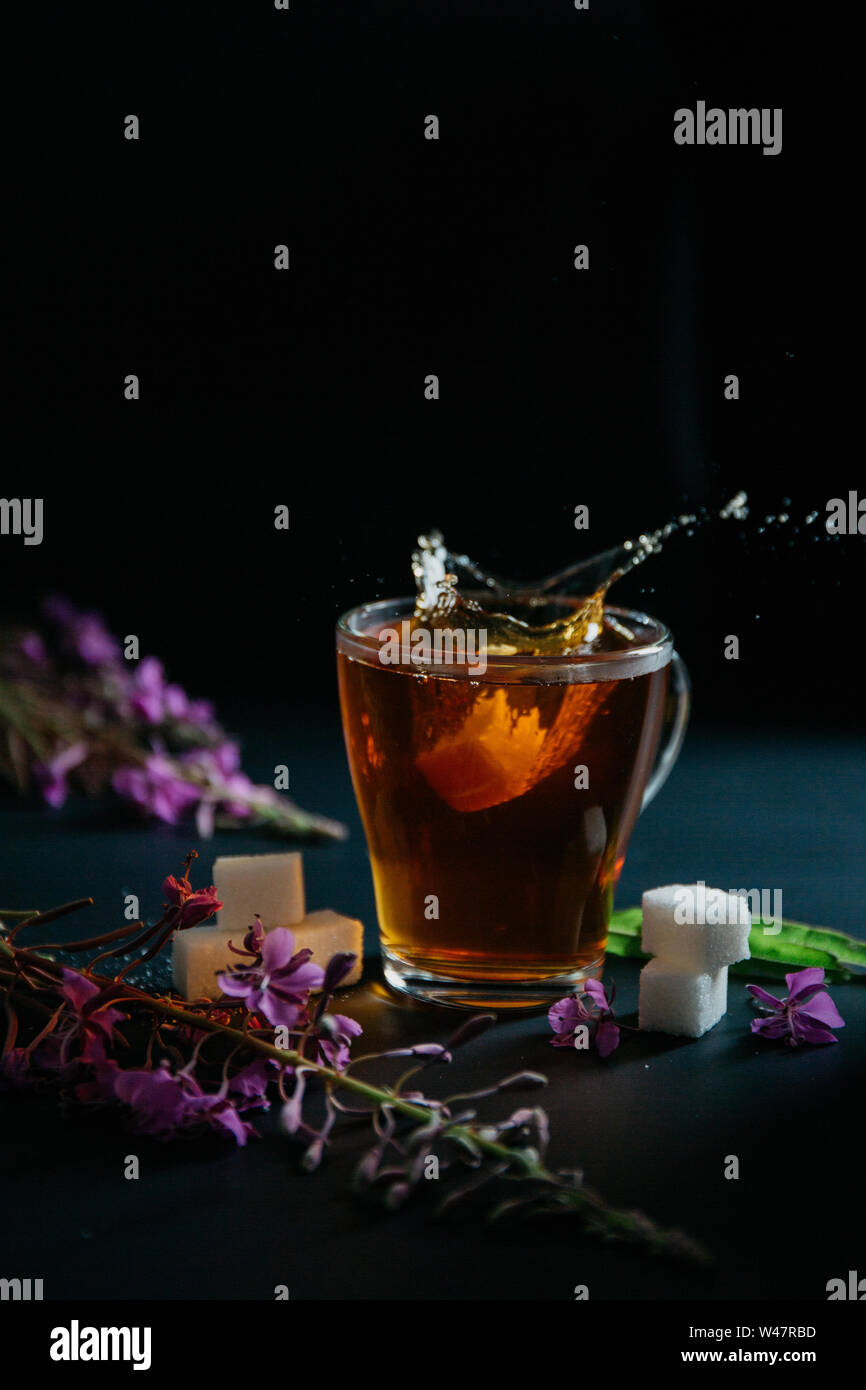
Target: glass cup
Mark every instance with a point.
(498, 798)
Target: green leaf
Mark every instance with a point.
(795, 944)
(626, 922)
(846, 949)
(625, 945)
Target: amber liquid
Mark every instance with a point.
(489, 863)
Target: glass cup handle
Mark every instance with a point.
(680, 692)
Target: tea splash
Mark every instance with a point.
(563, 614)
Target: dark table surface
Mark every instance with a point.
(651, 1126)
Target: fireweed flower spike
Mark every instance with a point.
(807, 1014)
(76, 716)
(109, 1043)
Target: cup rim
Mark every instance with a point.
(648, 655)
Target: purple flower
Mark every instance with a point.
(198, 907)
(217, 764)
(51, 776)
(208, 778)
(92, 1012)
(571, 1013)
(565, 1017)
(279, 987)
(337, 969)
(254, 938)
(335, 1039)
(176, 702)
(607, 1030)
(85, 633)
(191, 907)
(152, 696)
(99, 1089)
(807, 1014)
(158, 1099)
(252, 1080)
(164, 1103)
(157, 788)
(201, 713)
(148, 690)
(223, 786)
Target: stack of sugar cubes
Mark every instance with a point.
(694, 933)
(271, 887)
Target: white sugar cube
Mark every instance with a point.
(201, 953)
(327, 932)
(692, 925)
(268, 885)
(680, 1001)
(198, 955)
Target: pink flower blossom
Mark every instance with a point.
(280, 986)
(571, 1013)
(334, 1046)
(148, 690)
(156, 787)
(807, 1014)
(51, 776)
(152, 696)
(98, 1088)
(607, 1030)
(565, 1017)
(85, 634)
(164, 1103)
(192, 907)
(88, 1005)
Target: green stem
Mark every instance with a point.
(380, 1095)
(529, 1164)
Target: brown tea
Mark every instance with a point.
(497, 807)
(502, 738)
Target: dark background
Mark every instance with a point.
(409, 256)
(558, 388)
